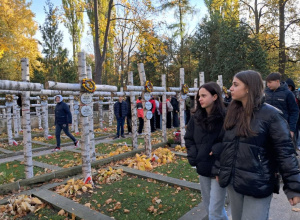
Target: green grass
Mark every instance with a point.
(61, 158)
(19, 147)
(106, 148)
(129, 140)
(180, 169)
(15, 170)
(137, 195)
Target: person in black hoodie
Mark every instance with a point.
(129, 121)
(175, 104)
(63, 118)
(202, 135)
(256, 145)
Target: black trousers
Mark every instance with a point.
(141, 125)
(129, 125)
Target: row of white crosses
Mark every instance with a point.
(86, 110)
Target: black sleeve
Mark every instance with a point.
(190, 143)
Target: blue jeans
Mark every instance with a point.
(247, 207)
(213, 197)
(120, 125)
(65, 128)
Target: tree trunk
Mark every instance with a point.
(26, 124)
(134, 118)
(45, 118)
(85, 145)
(146, 121)
(15, 119)
(100, 106)
(111, 112)
(98, 64)
(164, 109)
(38, 114)
(196, 93)
(282, 55)
(72, 111)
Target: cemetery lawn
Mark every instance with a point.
(45, 213)
(20, 147)
(140, 196)
(63, 159)
(106, 148)
(129, 140)
(13, 171)
(179, 169)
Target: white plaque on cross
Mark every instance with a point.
(86, 98)
(86, 110)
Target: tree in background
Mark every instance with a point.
(227, 9)
(73, 21)
(224, 48)
(56, 65)
(182, 9)
(17, 29)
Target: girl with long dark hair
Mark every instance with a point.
(256, 145)
(203, 133)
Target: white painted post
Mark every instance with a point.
(111, 111)
(146, 121)
(164, 109)
(26, 123)
(181, 109)
(220, 81)
(91, 122)
(44, 104)
(76, 116)
(71, 101)
(202, 78)
(195, 97)
(100, 106)
(9, 125)
(38, 114)
(133, 112)
(85, 145)
(15, 118)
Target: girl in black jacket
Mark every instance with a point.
(202, 133)
(257, 143)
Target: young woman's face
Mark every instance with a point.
(206, 99)
(239, 90)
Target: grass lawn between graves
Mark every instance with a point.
(61, 159)
(20, 147)
(144, 198)
(13, 171)
(104, 148)
(180, 169)
(128, 140)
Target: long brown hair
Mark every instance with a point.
(240, 116)
(217, 111)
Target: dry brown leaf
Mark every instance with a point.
(73, 216)
(108, 201)
(87, 205)
(126, 211)
(36, 201)
(61, 212)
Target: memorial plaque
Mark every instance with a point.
(76, 107)
(149, 115)
(86, 111)
(183, 96)
(148, 105)
(86, 98)
(147, 96)
(43, 103)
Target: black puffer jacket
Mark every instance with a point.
(199, 143)
(283, 99)
(250, 163)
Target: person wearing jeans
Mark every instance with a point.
(120, 111)
(63, 118)
(202, 139)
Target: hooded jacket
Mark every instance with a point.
(140, 110)
(250, 163)
(283, 99)
(62, 112)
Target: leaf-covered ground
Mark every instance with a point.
(145, 198)
(13, 171)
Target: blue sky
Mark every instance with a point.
(37, 8)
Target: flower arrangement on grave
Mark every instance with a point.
(224, 90)
(149, 86)
(44, 98)
(88, 85)
(185, 89)
(76, 98)
(9, 98)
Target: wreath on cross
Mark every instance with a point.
(9, 98)
(149, 86)
(185, 89)
(88, 85)
(44, 98)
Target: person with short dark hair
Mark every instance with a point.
(256, 144)
(120, 111)
(278, 94)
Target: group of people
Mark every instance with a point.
(242, 150)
